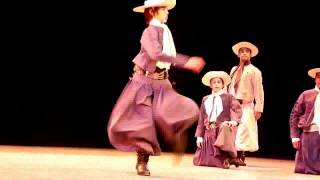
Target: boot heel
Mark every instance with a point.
(226, 164)
(235, 162)
(241, 158)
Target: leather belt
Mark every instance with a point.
(312, 128)
(159, 75)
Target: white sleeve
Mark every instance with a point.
(199, 139)
(295, 139)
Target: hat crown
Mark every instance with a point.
(153, 2)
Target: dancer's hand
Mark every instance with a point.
(257, 115)
(199, 142)
(195, 64)
(296, 145)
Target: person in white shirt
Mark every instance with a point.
(219, 118)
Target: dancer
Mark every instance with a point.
(148, 104)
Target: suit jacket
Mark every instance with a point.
(151, 50)
(231, 111)
(250, 86)
(302, 112)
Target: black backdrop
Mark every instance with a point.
(68, 63)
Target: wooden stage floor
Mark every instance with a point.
(59, 163)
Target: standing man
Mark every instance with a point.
(304, 128)
(246, 86)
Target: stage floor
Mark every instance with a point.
(59, 163)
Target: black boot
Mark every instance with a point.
(142, 163)
(241, 158)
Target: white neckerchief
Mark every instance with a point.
(214, 106)
(316, 117)
(168, 44)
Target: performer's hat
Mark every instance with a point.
(313, 72)
(212, 74)
(155, 3)
(244, 44)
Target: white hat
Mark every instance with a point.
(212, 74)
(313, 72)
(155, 3)
(244, 44)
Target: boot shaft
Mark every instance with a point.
(142, 157)
(241, 158)
(142, 163)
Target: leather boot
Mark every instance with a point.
(180, 143)
(142, 163)
(179, 146)
(226, 164)
(241, 158)
(234, 161)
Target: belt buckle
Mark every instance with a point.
(212, 125)
(151, 75)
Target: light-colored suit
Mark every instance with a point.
(250, 91)
(250, 87)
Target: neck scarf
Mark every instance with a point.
(213, 105)
(317, 108)
(168, 44)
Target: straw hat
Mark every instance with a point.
(313, 72)
(244, 44)
(213, 74)
(155, 3)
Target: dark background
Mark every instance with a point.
(66, 65)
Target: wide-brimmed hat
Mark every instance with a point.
(155, 3)
(244, 44)
(213, 74)
(313, 72)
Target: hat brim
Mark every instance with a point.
(140, 9)
(313, 72)
(252, 47)
(214, 74)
